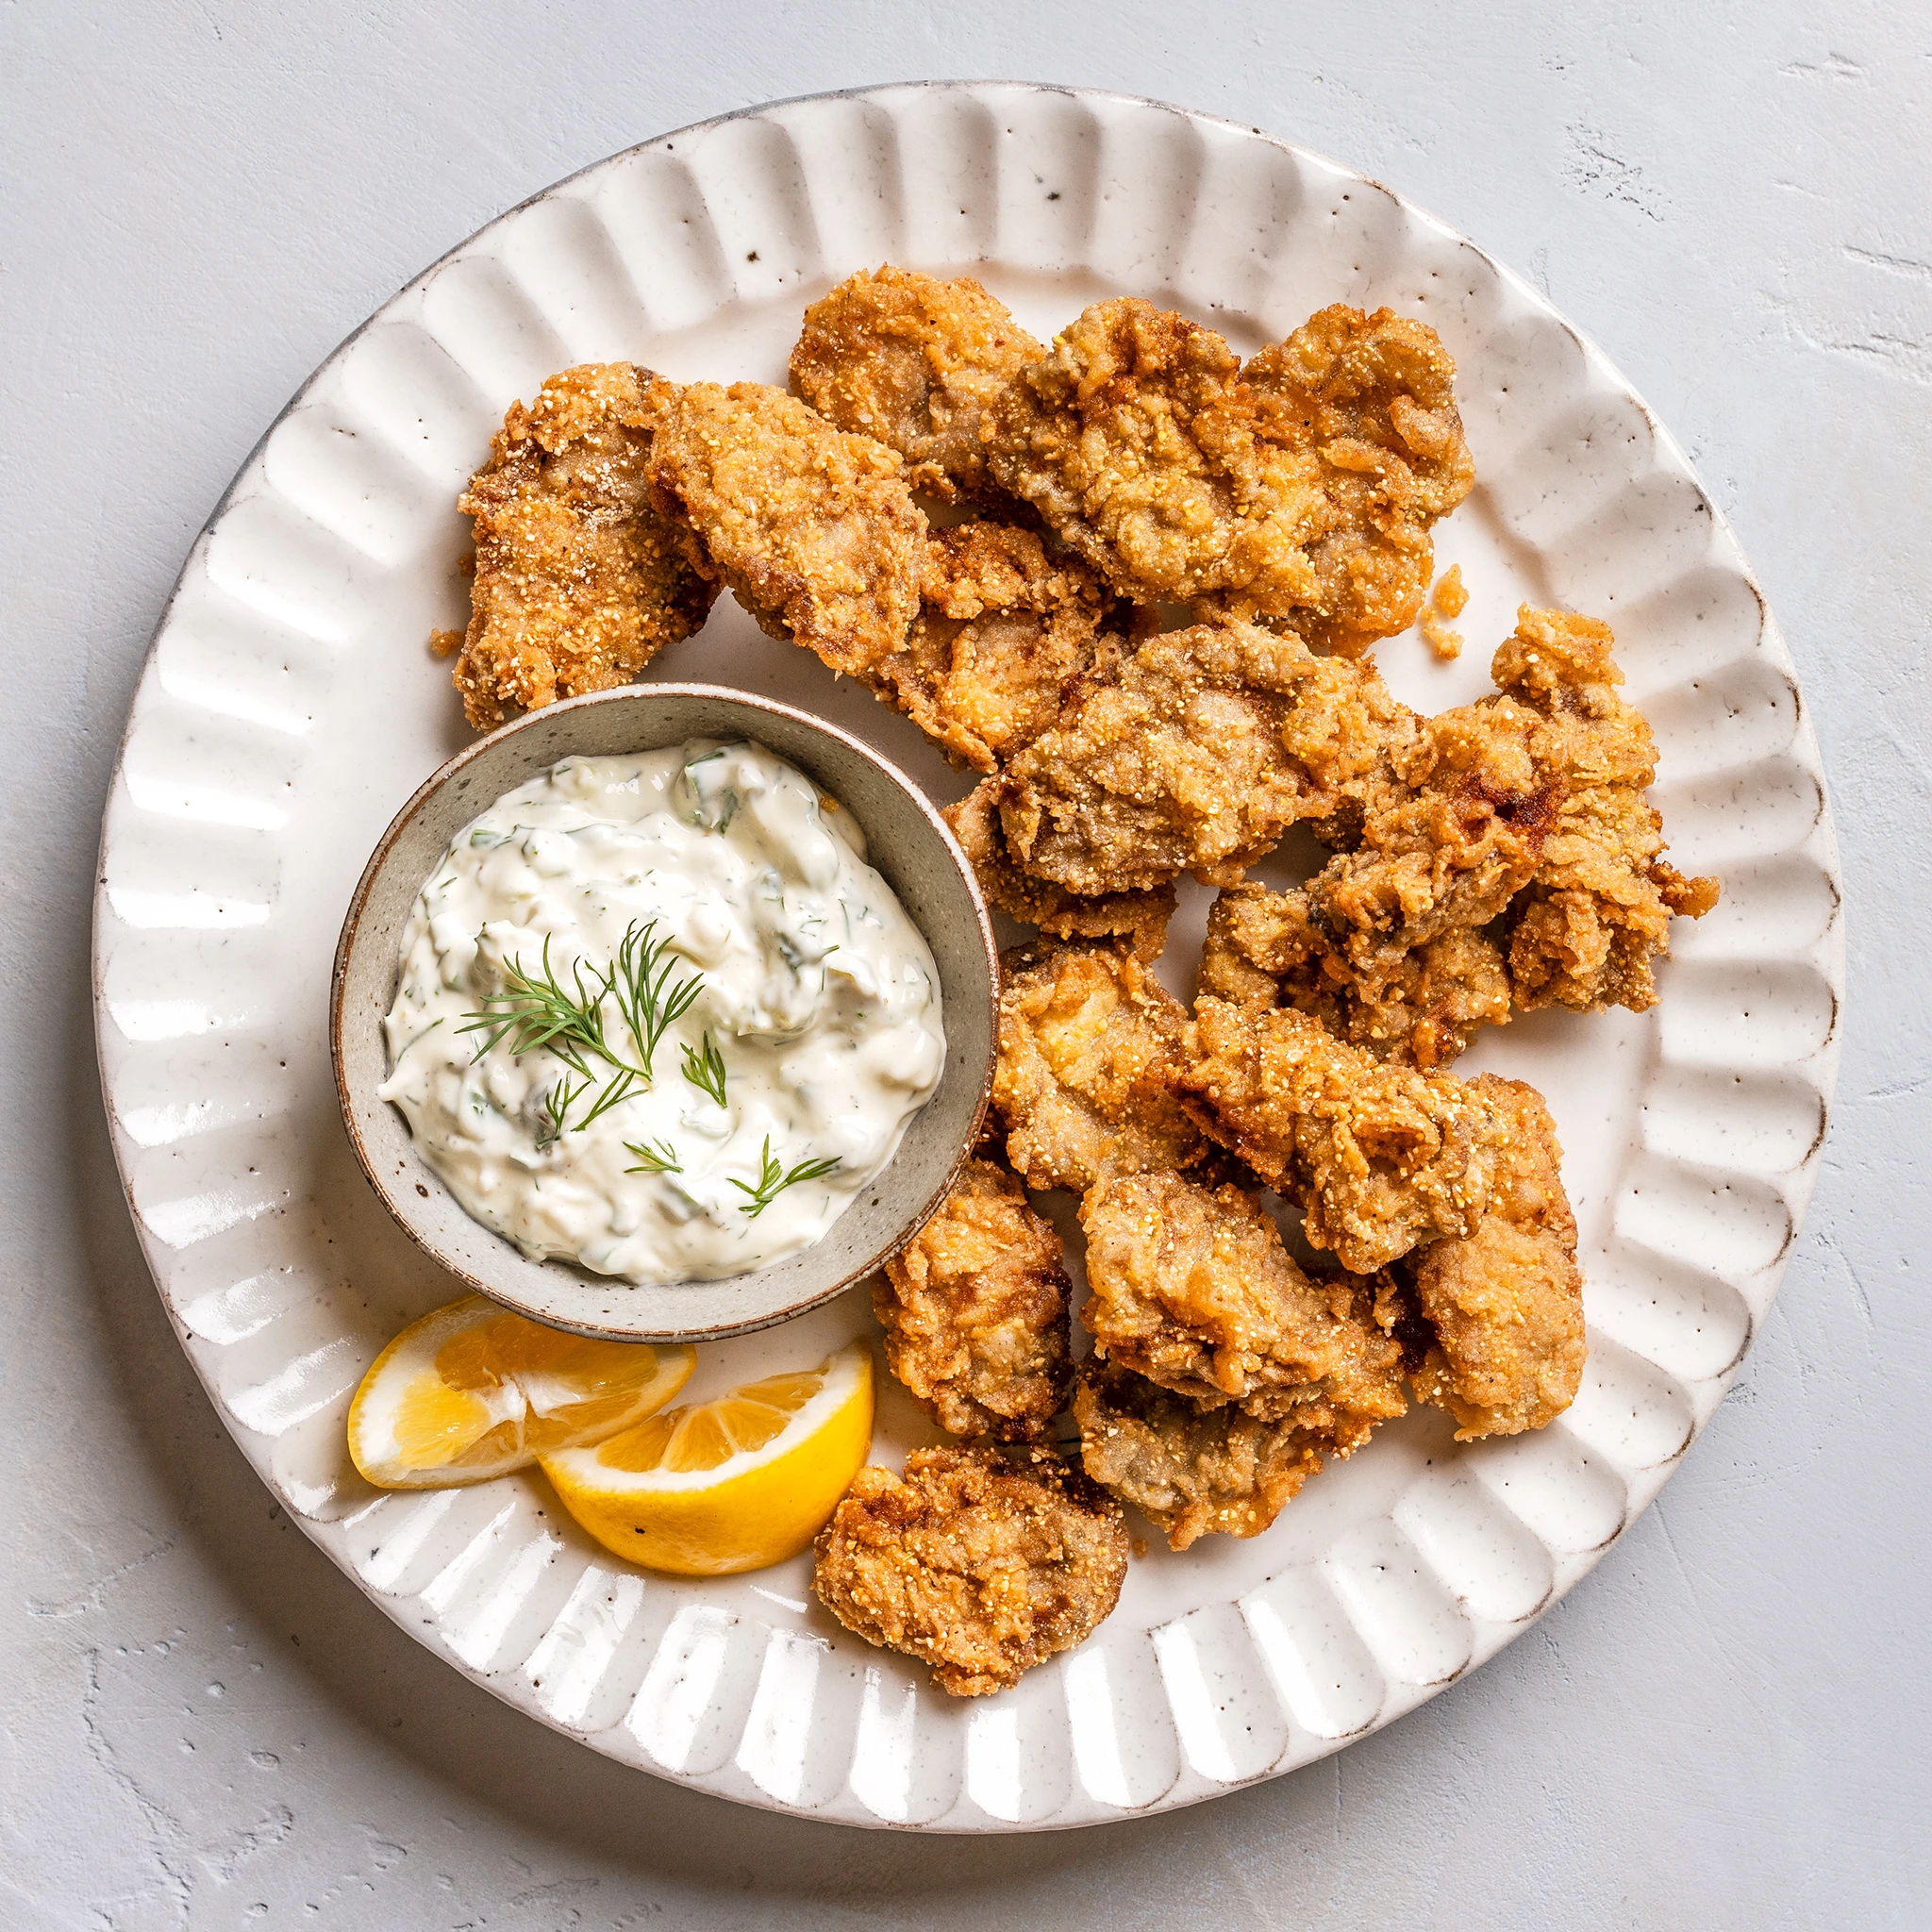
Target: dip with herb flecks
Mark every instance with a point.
(656, 1014)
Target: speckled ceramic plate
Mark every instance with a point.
(289, 707)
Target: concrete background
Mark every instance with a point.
(207, 1726)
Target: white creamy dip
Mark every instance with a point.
(718, 876)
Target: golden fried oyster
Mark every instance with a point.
(1598, 908)
(978, 1565)
(1191, 1472)
(1373, 397)
(1084, 1085)
(1385, 944)
(1381, 1157)
(579, 580)
(1137, 920)
(814, 530)
(1003, 635)
(1136, 441)
(1504, 1306)
(1193, 1288)
(912, 361)
(1207, 744)
(1420, 1008)
(974, 1310)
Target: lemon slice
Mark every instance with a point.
(473, 1392)
(737, 1483)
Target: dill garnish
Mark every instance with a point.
(654, 1157)
(706, 1070)
(536, 1012)
(557, 1106)
(640, 981)
(774, 1180)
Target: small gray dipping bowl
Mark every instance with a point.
(906, 842)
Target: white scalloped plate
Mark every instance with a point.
(289, 707)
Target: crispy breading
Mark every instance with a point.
(1374, 397)
(814, 530)
(1193, 1288)
(1384, 944)
(1206, 747)
(1002, 636)
(1525, 807)
(978, 1565)
(1135, 439)
(912, 360)
(579, 580)
(1138, 919)
(1191, 1471)
(1598, 910)
(974, 1310)
(1445, 834)
(1504, 1307)
(1380, 1157)
(1087, 1045)
(1421, 1008)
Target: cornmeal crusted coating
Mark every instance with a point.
(1138, 920)
(1209, 742)
(1598, 910)
(814, 529)
(1504, 1306)
(1381, 1157)
(979, 1565)
(1004, 634)
(1084, 1084)
(1135, 439)
(1501, 849)
(912, 361)
(1192, 1288)
(974, 1310)
(579, 581)
(1373, 398)
(1191, 1471)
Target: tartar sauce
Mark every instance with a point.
(656, 1015)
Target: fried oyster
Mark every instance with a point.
(579, 581)
(814, 530)
(912, 361)
(1504, 1307)
(1501, 848)
(1084, 1085)
(1136, 441)
(1381, 1157)
(1208, 744)
(1193, 1288)
(1138, 920)
(974, 1310)
(978, 1565)
(1420, 1008)
(1300, 487)
(1373, 398)
(1191, 1471)
(1003, 635)
(1598, 910)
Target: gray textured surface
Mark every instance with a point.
(205, 1725)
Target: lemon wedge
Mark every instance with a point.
(472, 1391)
(737, 1483)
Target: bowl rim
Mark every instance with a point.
(346, 946)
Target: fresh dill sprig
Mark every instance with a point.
(639, 981)
(654, 1157)
(557, 1106)
(706, 1070)
(536, 1012)
(773, 1179)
